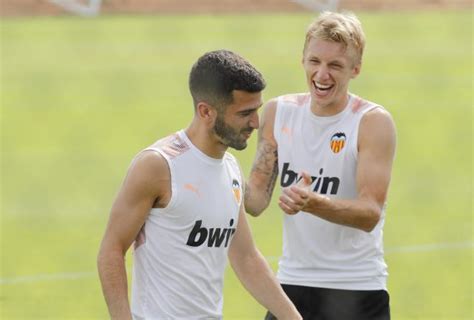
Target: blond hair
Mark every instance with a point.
(344, 28)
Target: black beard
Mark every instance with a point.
(229, 136)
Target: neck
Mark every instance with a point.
(203, 139)
(330, 109)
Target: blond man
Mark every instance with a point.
(334, 152)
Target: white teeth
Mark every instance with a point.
(322, 86)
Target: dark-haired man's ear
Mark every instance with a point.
(206, 113)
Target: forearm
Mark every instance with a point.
(261, 183)
(113, 276)
(258, 278)
(359, 213)
(262, 179)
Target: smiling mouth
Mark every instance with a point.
(247, 133)
(323, 88)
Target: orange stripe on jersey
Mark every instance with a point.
(358, 102)
(173, 145)
(286, 130)
(337, 145)
(300, 99)
(334, 146)
(237, 194)
(192, 188)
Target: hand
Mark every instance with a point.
(294, 198)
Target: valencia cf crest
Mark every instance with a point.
(236, 190)
(338, 140)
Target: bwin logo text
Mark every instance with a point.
(214, 236)
(288, 177)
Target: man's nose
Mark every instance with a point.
(322, 73)
(254, 121)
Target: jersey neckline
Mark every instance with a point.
(329, 119)
(201, 155)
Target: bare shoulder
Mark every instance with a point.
(377, 120)
(269, 109)
(149, 161)
(377, 115)
(267, 121)
(149, 171)
(377, 127)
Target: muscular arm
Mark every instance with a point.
(376, 146)
(256, 275)
(259, 188)
(147, 180)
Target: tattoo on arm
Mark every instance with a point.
(266, 165)
(272, 181)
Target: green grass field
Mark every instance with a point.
(81, 96)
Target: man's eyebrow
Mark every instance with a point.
(251, 108)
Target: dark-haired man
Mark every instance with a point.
(181, 202)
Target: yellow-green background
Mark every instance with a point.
(79, 97)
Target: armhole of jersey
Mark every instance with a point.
(237, 167)
(355, 143)
(242, 187)
(276, 121)
(171, 169)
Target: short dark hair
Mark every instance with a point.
(217, 73)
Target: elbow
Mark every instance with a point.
(255, 204)
(372, 219)
(101, 263)
(101, 259)
(255, 208)
(244, 262)
(108, 255)
(254, 212)
(255, 200)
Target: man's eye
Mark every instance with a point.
(246, 113)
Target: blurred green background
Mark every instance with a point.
(80, 97)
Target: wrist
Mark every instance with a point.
(316, 202)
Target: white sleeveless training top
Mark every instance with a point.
(181, 252)
(316, 252)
